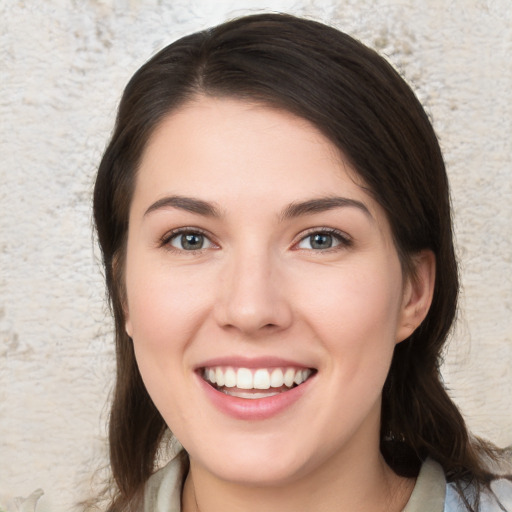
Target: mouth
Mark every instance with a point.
(255, 383)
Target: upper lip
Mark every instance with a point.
(251, 362)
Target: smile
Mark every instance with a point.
(254, 383)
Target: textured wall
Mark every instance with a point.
(64, 64)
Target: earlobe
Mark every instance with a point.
(117, 272)
(418, 293)
(128, 326)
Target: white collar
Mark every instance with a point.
(163, 489)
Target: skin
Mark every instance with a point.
(258, 288)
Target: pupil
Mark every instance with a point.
(321, 241)
(192, 241)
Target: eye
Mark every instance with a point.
(322, 240)
(188, 241)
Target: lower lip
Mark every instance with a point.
(256, 408)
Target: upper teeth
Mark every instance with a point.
(255, 378)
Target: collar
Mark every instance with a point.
(163, 489)
(429, 492)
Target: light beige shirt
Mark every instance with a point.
(430, 494)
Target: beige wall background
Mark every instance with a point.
(63, 67)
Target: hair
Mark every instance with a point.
(357, 100)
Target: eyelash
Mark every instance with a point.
(344, 241)
(166, 240)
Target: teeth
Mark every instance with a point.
(248, 394)
(300, 377)
(219, 377)
(277, 378)
(289, 377)
(261, 378)
(244, 378)
(230, 378)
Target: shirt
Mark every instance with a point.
(431, 493)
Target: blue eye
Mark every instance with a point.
(190, 241)
(322, 240)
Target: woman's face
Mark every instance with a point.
(254, 259)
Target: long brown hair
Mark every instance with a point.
(367, 110)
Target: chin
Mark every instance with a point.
(261, 463)
(258, 473)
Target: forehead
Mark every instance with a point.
(221, 148)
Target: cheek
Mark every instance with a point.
(162, 302)
(359, 298)
(164, 311)
(356, 314)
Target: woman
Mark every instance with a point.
(274, 216)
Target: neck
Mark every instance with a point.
(367, 484)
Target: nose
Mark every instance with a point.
(253, 296)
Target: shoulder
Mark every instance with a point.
(432, 494)
(162, 492)
(497, 499)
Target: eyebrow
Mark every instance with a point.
(322, 204)
(296, 209)
(188, 204)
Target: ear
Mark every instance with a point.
(417, 294)
(128, 327)
(127, 324)
(118, 265)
